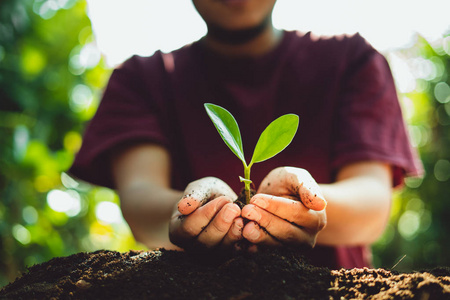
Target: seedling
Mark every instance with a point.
(274, 139)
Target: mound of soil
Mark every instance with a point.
(163, 274)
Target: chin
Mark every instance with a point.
(234, 14)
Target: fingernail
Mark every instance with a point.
(229, 214)
(254, 215)
(236, 229)
(260, 202)
(254, 234)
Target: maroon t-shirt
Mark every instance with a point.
(341, 88)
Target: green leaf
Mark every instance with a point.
(227, 127)
(277, 136)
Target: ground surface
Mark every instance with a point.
(176, 275)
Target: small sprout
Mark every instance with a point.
(277, 136)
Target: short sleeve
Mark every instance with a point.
(126, 115)
(369, 124)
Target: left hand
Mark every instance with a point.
(206, 217)
(288, 209)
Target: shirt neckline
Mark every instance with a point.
(239, 68)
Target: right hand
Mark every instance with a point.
(288, 210)
(206, 217)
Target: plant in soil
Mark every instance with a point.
(274, 139)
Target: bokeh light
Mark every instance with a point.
(48, 8)
(442, 170)
(68, 181)
(442, 92)
(89, 56)
(33, 60)
(21, 234)
(64, 201)
(108, 212)
(80, 98)
(409, 224)
(72, 141)
(21, 138)
(30, 215)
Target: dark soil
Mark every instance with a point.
(241, 199)
(267, 274)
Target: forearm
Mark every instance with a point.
(357, 211)
(147, 208)
(142, 177)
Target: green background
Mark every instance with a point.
(51, 80)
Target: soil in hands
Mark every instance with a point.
(267, 274)
(241, 199)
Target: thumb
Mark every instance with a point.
(311, 197)
(199, 192)
(308, 190)
(194, 197)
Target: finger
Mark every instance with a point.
(220, 225)
(188, 227)
(282, 230)
(234, 234)
(189, 203)
(307, 189)
(291, 210)
(196, 195)
(257, 235)
(311, 197)
(199, 192)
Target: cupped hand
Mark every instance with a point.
(206, 217)
(288, 209)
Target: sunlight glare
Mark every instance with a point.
(144, 26)
(401, 70)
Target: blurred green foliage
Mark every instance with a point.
(51, 78)
(420, 219)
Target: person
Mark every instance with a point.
(152, 140)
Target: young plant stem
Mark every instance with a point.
(247, 182)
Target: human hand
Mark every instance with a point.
(288, 209)
(206, 216)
